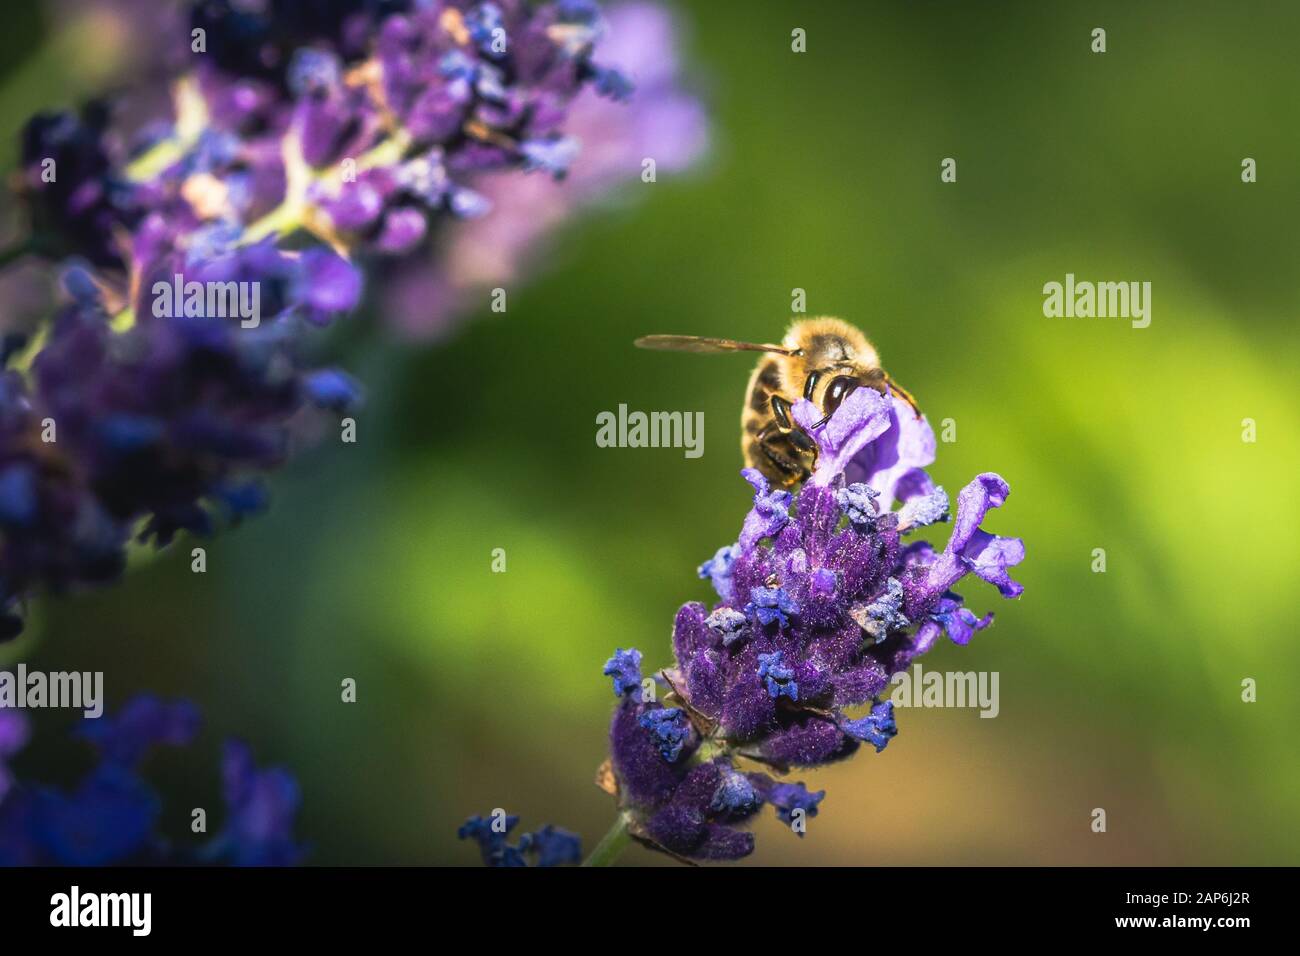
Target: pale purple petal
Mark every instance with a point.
(890, 464)
(989, 557)
(971, 549)
(984, 493)
(863, 417)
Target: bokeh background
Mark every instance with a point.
(1119, 690)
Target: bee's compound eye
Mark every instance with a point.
(837, 391)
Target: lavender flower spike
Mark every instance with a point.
(305, 139)
(819, 606)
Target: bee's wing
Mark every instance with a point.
(699, 343)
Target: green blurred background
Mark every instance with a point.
(1118, 690)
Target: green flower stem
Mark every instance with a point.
(155, 159)
(611, 845)
(711, 748)
(191, 120)
(284, 219)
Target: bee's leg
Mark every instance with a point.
(779, 458)
(785, 424)
(781, 413)
(785, 446)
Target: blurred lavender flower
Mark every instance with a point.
(368, 125)
(112, 815)
(818, 609)
(76, 197)
(14, 733)
(659, 121)
(156, 430)
(261, 807)
(549, 846)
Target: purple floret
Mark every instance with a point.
(625, 668)
(787, 798)
(875, 728)
(670, 729)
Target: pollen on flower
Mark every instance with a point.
(924, 509)
(884, 614)
(728, 623)
(858, 503)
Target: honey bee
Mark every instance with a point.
(822, 360)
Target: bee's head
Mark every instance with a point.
(831, 343)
